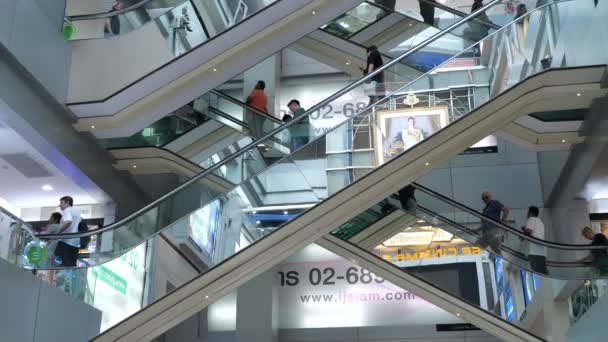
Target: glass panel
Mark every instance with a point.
(162, 131)
(585, 296)
(182, 24)
(432, 246)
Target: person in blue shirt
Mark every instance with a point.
(491, 234)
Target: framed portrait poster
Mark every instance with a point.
(399, 130)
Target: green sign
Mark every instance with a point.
(69, 30)
(107, 276)
(35, 254)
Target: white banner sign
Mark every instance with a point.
(328, 291)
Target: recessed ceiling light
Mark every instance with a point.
(135, 166)
(92, 126)
(578, 94)
(347, 62)
(206, 297)
(563, 140)
(47, 187)
(427, 164)
(314, 12)
(458, 314)
(214, 69)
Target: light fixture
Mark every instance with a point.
(285, 212)
(411, 24)
(427, 163)
(347, 62)
(47, 187)
(92, 126)
(314, 12)
(206, 297)
(135, 166)
(563, 141)
(578, 94)
(214, 69)
(458, 314)
(254, 212)
(258, 222)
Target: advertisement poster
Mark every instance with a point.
(203, 226)
(333, 114)
(317, 288)
(117, 286)
(398, 131)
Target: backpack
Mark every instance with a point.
(85, 240)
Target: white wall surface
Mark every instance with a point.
(33, 311)
(30, 32)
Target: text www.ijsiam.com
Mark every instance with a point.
(349, 297)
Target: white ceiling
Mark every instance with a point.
(23, 192)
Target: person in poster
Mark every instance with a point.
(411, 135)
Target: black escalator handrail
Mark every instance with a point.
(106, 15)
(246, 106)
(272, 133)
(502, 226)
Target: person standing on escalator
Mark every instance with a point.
(112, 26)
(427, 11)
(537, 254)
(67, 249)
(491, 234)
(257, 99)
(374, 62)
(387, 5)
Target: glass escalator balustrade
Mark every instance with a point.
(429, 246)
(391, 43)
(180, 22)
(219, 219)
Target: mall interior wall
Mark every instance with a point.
(30, 29)
(32, 112)
(32, 310)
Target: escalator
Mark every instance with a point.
(348, 36)
(341, 199)
(132, 119)
(179, 44)
(368, 243)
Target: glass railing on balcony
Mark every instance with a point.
(298, 174)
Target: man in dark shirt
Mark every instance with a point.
(598, 257)
(491, 234)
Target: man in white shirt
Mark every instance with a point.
(67, 250)
(537, 254)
